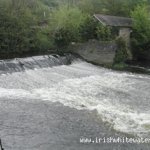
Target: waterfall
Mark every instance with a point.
(35, 62)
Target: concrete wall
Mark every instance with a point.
(125, 34)
(95, 51)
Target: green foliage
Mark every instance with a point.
(141, 23)
(19, 31)
(65, 24)
(62, 37)
(90, 6)
(43, 41)
(120, 66)
(121, 53)
(103, 32)
(88, 29)
(120, 7)
(22, 28)
(141, 33)
(14, 33)
(110, 7)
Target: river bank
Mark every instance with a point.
(103, 53)
(134, 67)
(128, 67)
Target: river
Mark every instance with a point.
(50, 102)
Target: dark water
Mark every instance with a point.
(47, 104)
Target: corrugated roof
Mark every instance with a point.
(114, 20)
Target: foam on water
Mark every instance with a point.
(121, 99)
(88, 93)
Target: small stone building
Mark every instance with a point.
(124, 25)
(101, 52)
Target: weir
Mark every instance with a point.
(35, 62)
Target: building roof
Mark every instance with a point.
(114, 20)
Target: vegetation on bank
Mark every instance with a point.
(141, 33)
(30, 27)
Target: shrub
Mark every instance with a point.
(19, 30)
(62, 37)
(43, 41)
(120, 66)
(121, 53)
(141, 33)
(65, 24)
(103, 32)
(88, 29)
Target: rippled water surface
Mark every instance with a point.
(120, 99)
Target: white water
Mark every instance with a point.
(121, 99)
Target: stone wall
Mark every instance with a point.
(94, 51)
(125, 34)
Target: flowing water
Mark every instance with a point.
(120, 99)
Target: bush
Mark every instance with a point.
(141, 33)
(121, 53)
(62, 37)
(88, 29)
(120, 66)
(65, 25)
(43, 41)
(103, 33)
(19, 31)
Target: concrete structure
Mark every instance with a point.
(124, 24)
(97, 52)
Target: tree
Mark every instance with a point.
(88, 30)
(20, 32)
(141, 32)
(67, 20)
